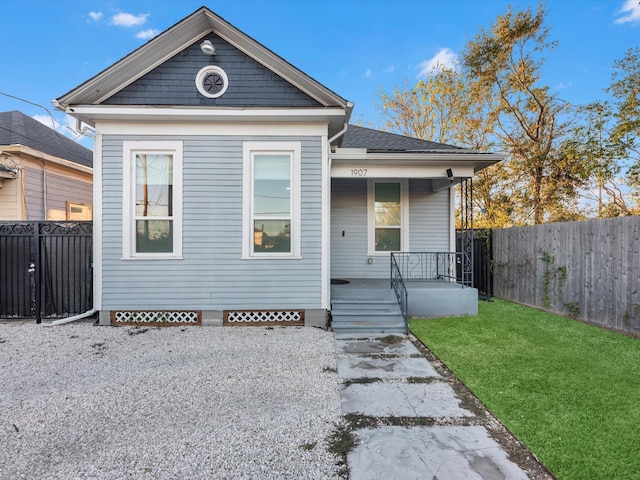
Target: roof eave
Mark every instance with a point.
(450, 158)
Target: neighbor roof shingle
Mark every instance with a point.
(16, 128)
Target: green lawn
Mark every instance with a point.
(569, 391)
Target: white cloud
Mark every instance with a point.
(96, 15)
(148, 33)
(390, 69)
(445, 58)
(368, 73)
(123, 19)
(630, 12)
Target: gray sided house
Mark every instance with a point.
(229, 186)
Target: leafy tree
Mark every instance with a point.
(439, 108)
(503, 66)
(625, 90)
(594, 143)
(495, 100)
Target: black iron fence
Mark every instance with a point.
(45, 269)
(481, 260)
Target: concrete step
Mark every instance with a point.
(374, 324)
(367, 330)
(363, 301)
(391, 310)
(366, 311)
(373, 319)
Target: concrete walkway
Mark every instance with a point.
(389, 383)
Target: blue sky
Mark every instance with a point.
(354, 47)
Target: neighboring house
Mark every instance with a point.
(227, 183)
(43, 175)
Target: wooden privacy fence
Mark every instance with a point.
(45, 269)
(589, 270)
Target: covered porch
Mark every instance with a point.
(393, 226)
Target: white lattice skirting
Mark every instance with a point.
(264, 317)
(156, 317)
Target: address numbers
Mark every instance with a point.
(358, 172)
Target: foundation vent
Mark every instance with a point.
(264, 317)
(157, 317)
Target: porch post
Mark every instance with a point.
(466, 230)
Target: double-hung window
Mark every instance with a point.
(271, 199)
(152, 199)
(388, 216)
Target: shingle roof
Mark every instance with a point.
(378, 141)
(16, 128)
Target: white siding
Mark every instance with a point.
(212, 275)
(9, 200)
(428, 227)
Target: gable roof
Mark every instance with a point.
(377, 141)
(16, 128)
(175, 39)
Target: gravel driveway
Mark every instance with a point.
(80, 401)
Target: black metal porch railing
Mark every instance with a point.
(397, 283)
(434, 267)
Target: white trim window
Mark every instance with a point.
(388, 209)
(271, 200)
(152, 216)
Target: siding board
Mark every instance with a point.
(212, 275)
(428, 227)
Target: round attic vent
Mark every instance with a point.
(212, 81)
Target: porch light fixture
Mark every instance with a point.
(450, 174)
(207, 48)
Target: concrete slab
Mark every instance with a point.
(376, 347)
(435, 399)
(439, 452)
(363, 336)
(385, 368)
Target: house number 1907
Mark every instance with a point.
(358, 172)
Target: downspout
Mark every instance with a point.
(326, 265)
(62, 321)
(346, 125)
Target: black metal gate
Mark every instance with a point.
(482, 263)
(45, 269)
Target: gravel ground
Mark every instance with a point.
(80, 401)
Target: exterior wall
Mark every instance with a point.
(211, 275)
(10, 208)
(429, 227)
(33, 185)
(62, 186)
(62, 189)
(250, 83)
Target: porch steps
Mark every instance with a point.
(366, 311)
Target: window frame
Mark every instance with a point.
(250, 150)
(371, 215)
(130, 150)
